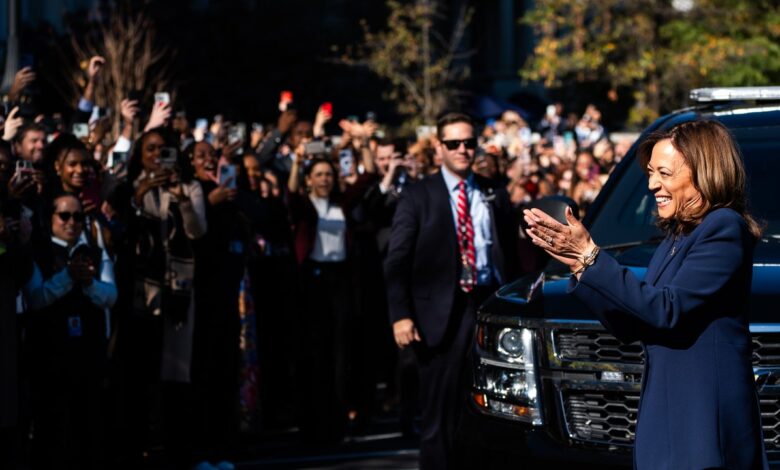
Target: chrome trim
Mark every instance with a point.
(765, 328)
(505, 365)
(554, 357)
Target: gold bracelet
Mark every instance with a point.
(588, 260)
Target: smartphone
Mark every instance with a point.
(162, 98)
(26, 60)
(423, 132)
(285, 100)
(117, 158)
(80, 130)
(227, 175)
(328, 108)
(237, 133)
(168, 157)
(346, 161)
(91, 195)
(315, 147)
(202, 123)
(24, 169)
(257, 127)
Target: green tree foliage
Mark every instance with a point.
(424, 69)
(656, 50)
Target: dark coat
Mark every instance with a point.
(16, 266)
(699, 406)
(422, 268)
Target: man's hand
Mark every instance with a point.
(95, 65)
(22, 78)
(19, 184)
(287, 121)
(12, 125)
(405, 333)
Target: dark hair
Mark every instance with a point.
(58, 149)
(316, 161)
(32, 126)
(717, 172)
(52, 208)
(452, 118)
(334, 192)
(135, 165)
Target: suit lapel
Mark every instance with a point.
(441, 210)
(665, 248)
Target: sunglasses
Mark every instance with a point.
(78, 217)
(454, 144)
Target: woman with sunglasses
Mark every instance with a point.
(70, 289)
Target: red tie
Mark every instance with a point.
(466, 241)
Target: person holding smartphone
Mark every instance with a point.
(68, 293)
(219, 268)
(167, 214)
(321, 218)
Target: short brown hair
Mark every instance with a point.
(452, 118)
(717, 171)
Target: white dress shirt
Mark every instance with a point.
(330, 244)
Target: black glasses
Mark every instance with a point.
(454, 144)
(78, 217)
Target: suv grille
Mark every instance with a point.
(600, 346)
(766, 349)
(595, 346)
(770, 421)
(602, 417)
(609, 418)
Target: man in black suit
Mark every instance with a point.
(450, 248)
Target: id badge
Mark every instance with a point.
(236, 247)
(74, 327)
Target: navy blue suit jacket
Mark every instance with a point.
(421, 267)
(699, 405)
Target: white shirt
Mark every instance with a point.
(330, 244)
(480, 219)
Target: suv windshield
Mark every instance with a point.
(628, 214)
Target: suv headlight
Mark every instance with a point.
(505, 375)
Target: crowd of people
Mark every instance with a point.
(132, 255)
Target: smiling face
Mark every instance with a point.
(253, 171)
(69, 230)
(670, 180)
(204, 161)
(150, 151)
(459, 160)
(72, 170)
(320, 179)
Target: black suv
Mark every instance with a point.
(564, 387)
